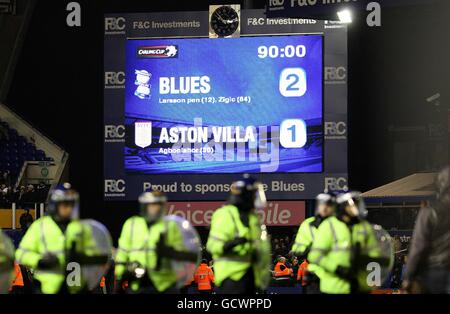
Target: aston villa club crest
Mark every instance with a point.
(143, 134)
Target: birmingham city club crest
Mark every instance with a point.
(143, 87)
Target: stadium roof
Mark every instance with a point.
(415, 187)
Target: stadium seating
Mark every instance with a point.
(15, 150)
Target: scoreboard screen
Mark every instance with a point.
(233, 105)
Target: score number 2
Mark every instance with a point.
(292, 82)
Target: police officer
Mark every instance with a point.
(325, 207)
(43, 246)
(344, 244)
(234, 229)
(147, 245)
(7, 264)
(89, 245)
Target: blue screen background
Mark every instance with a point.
(234, 69)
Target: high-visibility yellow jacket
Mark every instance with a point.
(226, 225)
(334, 246)
(7, 265)
(81, 241)
(132, 244)
(138, 244)
(160, 268)
(305, 236)
(45, 236)
(304, 240)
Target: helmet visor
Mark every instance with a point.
(153, 211)
(356, 207)
(325, 205)
(64, 204)
(67, 210)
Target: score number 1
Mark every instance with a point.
(293, 133)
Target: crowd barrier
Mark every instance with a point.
(10, 217)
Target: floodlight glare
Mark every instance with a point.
(345, 16)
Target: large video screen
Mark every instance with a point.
(234, 105)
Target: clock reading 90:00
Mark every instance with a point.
(288, 51)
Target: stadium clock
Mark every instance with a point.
(224, 21)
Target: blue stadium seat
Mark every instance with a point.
(13, 157)
(15, 150)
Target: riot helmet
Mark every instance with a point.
(351, 206)
(152, 205)
(64, 203)
(247, 194)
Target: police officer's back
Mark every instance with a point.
(325, 207)
(146, 246)
(234, 229)
(344, 245)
